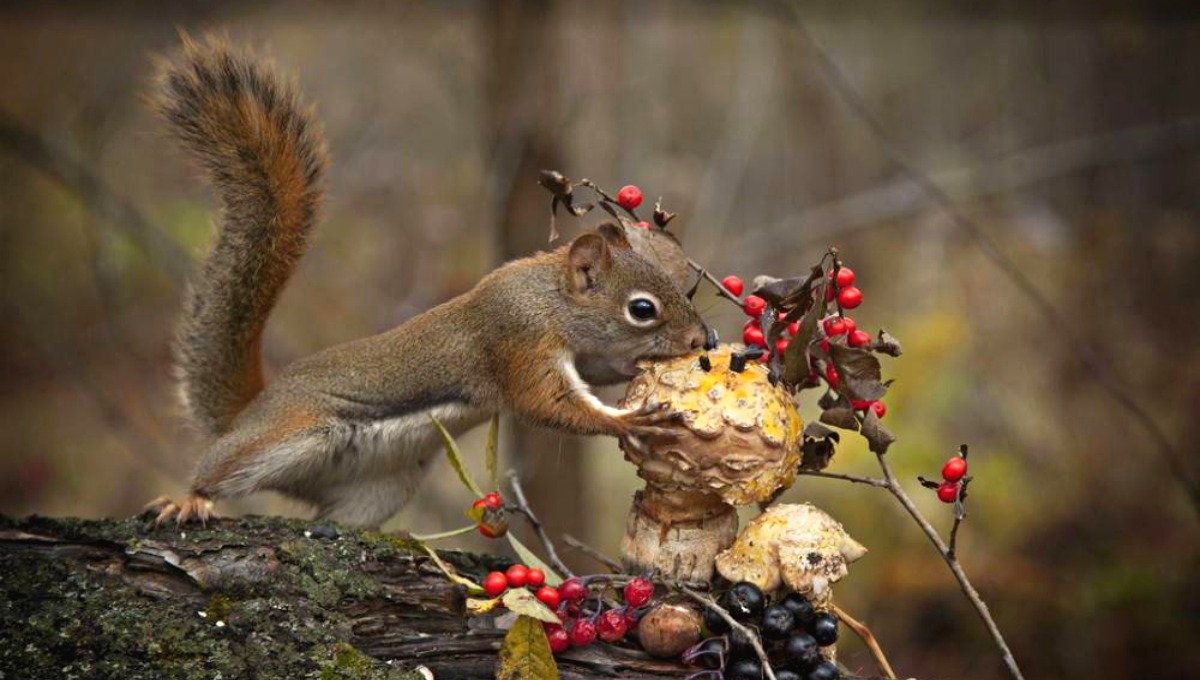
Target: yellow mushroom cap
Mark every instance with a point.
(740, 435)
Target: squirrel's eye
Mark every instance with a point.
(643, 309)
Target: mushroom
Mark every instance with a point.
(738, 443)
(797, 545)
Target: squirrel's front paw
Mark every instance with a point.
(194, 508)
(647, 421)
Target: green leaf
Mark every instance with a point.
(489, 451)
(455, 457)
(530, 559)
(523, 602)
(525, 654)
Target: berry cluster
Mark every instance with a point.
(489, 512)
(952, 473)
(792, 633)
(582, 620)
(521, 576)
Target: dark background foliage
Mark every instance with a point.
(1068, 131)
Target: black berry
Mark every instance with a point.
(786, 674)
(714, 623)
(709, 654)
(801, 609)
(744, 601)
(802, 652)
(777, 622)
(741, 646)
(825, 629)
(744, 669)
(825, 670)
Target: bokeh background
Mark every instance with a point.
(1068, 133)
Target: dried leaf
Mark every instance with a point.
(455, 457)
(490, 451)
(878, 437)
(795, 359)
(530, 559)
(555, 182)
(817, 452)
(523, 602)
(477, 605)
(819, 431)
(887, 344)
(840, 416)
(859, 373)
(525, 654)
(467, 583)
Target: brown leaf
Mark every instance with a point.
(818, 447)
(795, 359)
(859, 373)
(525, 654)
(840, 416)
(887, 344)
(555, 182)
(878, 437)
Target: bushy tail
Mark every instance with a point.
(262, 152)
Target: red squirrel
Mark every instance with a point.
(349, 429)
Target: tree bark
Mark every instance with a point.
(255, 597)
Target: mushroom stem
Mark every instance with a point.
(677, 533)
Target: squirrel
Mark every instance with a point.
(349, 429)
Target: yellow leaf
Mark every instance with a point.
(455, 457)
(523, 602)
(525, 654)
(477, 605)
(451, 574)
(530, 559)
(490, 453)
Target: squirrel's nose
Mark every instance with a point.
(700, 337)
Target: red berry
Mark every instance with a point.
(642, 225)
(860, 338)
(733, 284)
(560, 640)
(548, 596)
(494, 584)
(536, 578)
(947, 492)
(834, 325)
(572, 590)
(781, 345)
(860, 404)
(631, 619)
(954, 469)
(879, 408)
(583, 633)
(493, 499)
(831, 376)
(611, 625)
(479, 503)
(629, 197)
(489, 532)
(829, 293)
(845, 277)
(825, 345)
(849, 298)
(793, 328)
(517, 576)
(638, 592)
(753, 335)
(851, 326)
(754, 306)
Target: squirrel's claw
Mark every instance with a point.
(194, 508)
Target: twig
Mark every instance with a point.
(721, 289)
(872, 644)
(746, 632)
(524, 509)
(960, 513)
(873, 481)
(1099, 368)
(591, 552)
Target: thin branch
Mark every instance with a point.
(746, 632)
(1099, 368)
(721, 289)
(960, 514)
(591, 552)
(524, 509)
(872, 481)
(869, 639)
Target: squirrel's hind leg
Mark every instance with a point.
(366, 504)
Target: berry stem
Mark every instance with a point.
(613, 565)
(721, 289)
(868, 639)
(522, 507)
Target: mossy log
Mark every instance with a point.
(247, 598)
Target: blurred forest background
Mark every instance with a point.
(1068, 132)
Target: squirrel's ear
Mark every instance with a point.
(587, 259)
(614, 234)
